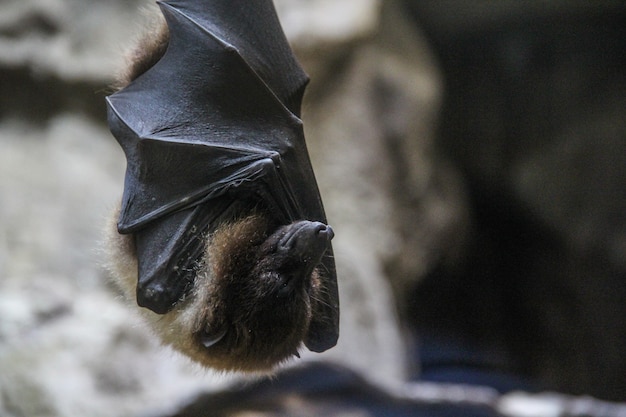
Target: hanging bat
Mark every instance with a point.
(221, 234)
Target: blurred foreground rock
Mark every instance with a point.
(327, 390)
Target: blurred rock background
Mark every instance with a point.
(471, 158)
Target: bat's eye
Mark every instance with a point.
(286, 285)
(283, 291)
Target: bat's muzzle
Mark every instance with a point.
(306, 241)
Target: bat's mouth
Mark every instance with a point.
(294, 251)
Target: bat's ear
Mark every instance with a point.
(324, 326)
(321, 336)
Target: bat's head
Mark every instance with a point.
(256, 309)
(256, 292)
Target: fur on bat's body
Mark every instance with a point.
(149, 48)
(233, 294)
(233, 319)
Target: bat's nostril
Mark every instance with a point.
(330, 232)
(324, 231)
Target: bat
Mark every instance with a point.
(221, 228)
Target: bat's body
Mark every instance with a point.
(209, 123)
(253, 299)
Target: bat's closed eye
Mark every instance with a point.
(286, 285)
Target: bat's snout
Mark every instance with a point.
(324, 231)
(306, 237)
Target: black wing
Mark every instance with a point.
(215, 120)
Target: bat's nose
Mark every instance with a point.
(324, 231)
(306, 240)
(306, 234)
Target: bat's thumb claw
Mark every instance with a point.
(209, 338)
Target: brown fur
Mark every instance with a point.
(263, 330)
(147, 51)
(231, 293)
